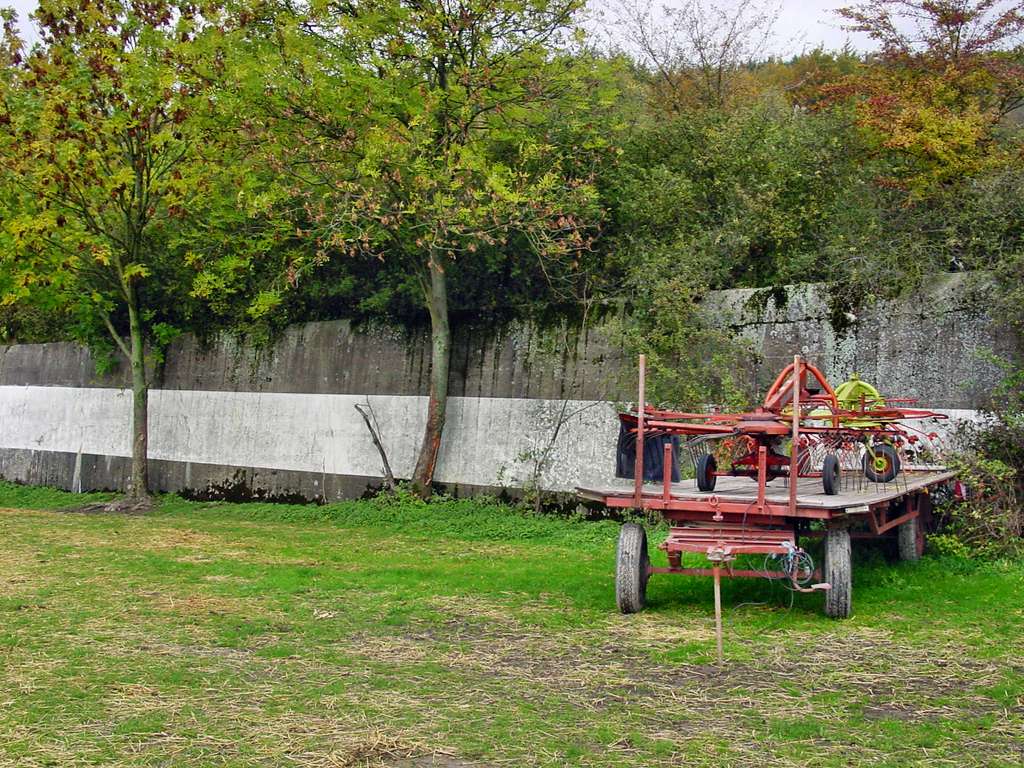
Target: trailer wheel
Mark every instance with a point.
(830, 475)
(631, 568)
(911, 539)
(838, 573)
(883, 466)
(706, 477)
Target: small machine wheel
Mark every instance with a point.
(911, 540)
(706, 477)
(883, 466)
(830, 476)
(631, 568)
(838, 573)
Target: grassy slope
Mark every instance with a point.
(361, 633)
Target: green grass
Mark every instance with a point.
(379, 632)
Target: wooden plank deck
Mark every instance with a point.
(856, 494)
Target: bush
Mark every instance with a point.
(948, 545)
(989, 522)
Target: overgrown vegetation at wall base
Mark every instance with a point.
(375, 632)
(989, 522)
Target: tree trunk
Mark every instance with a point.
(138, 487)
(436, 293)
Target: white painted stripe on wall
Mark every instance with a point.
(305, 432)
(70, 419)
(487, 441)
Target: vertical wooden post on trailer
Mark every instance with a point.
(638, 465)
(716, 572)
(762, 478)
(794, 449)
(666, 472)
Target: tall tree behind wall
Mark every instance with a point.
(407, 132)
(936, 93)
(694, 51)
(932, 105)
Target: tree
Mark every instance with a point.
(938, 33)
(945, 76)
(749, 197)
(408, 131)
(696, 52)
(744, 198)
(101, 156)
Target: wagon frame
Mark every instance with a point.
(740, 517)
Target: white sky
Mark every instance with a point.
(810, 23)
(802, 24)
(24, 8)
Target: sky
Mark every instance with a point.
(24, 7)
(802, 25)
(810, 23)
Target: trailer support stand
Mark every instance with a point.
(718, 611)
(666, 472)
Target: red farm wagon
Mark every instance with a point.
(812, 461)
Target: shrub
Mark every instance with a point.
(989, 522)
(948, 545)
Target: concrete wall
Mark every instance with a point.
(934, 345)
(228, 420)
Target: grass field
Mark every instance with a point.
(462, 634)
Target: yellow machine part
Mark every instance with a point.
(851, 394)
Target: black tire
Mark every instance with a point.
(838, 573)
(631, 568)
(830, 475)
(908, 539)
(706, 477)
(887, 467)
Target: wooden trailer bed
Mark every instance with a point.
(747, 516)
(857, 498)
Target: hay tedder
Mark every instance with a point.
(811, 461)
(831, 429)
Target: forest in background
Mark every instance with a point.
(172, 167)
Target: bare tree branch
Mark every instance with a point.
(695, 49)
(389, 477)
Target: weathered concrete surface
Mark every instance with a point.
(333, 357)
(488, 442)
(934, 345)
(60, 364)
(529, 406)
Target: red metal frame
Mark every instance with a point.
(879, 521)
(870, 423)
(721, 528)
